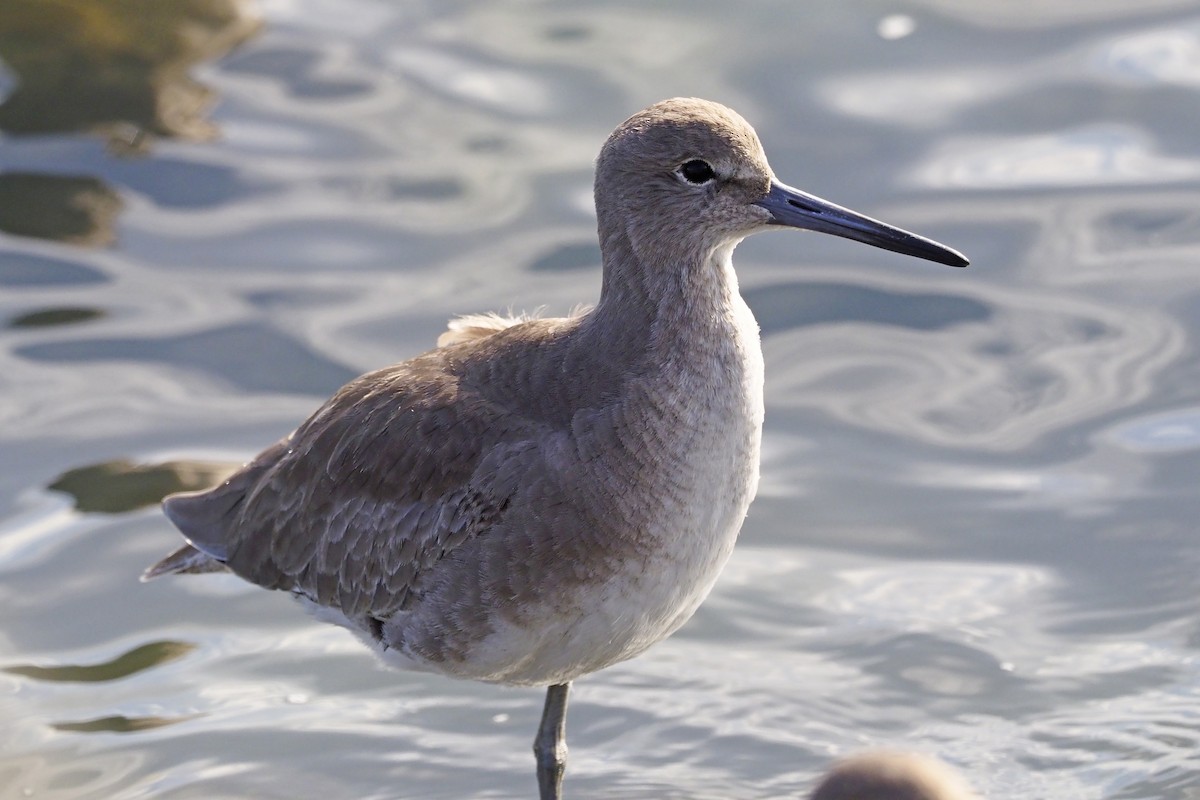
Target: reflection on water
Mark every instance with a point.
(54, 316)
(976, 530)
(73, 209)
(140, 658)
(115, 487)
(118, 67)
(118, 724)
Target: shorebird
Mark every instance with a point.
(891, 776)
(537, 499)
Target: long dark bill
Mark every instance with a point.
(798, 209)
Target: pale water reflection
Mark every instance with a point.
(976, 535)
(1103, 155)
(989, 368)
(1171, 431)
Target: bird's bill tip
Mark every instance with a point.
(797, 209)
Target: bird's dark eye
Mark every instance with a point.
(697, 171)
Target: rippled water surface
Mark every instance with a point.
(977, 529)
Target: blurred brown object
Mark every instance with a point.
(77, 209)
(891, 776)
(119, 486)
(117, 67)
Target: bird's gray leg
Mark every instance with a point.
(550, 746)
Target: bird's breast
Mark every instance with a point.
(675, 475)
(635, 510)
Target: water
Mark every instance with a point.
(976, 535)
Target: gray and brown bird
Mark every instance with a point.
(540, 499)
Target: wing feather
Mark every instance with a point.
(359, 508)
(369, 494)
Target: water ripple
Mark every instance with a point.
(1165, 432)
(1096, 155)
(1153, 57)
(1041, 362)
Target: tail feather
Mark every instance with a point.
(202, 516)
(185, 560)
(205, 518)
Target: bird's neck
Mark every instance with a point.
(672, 307)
